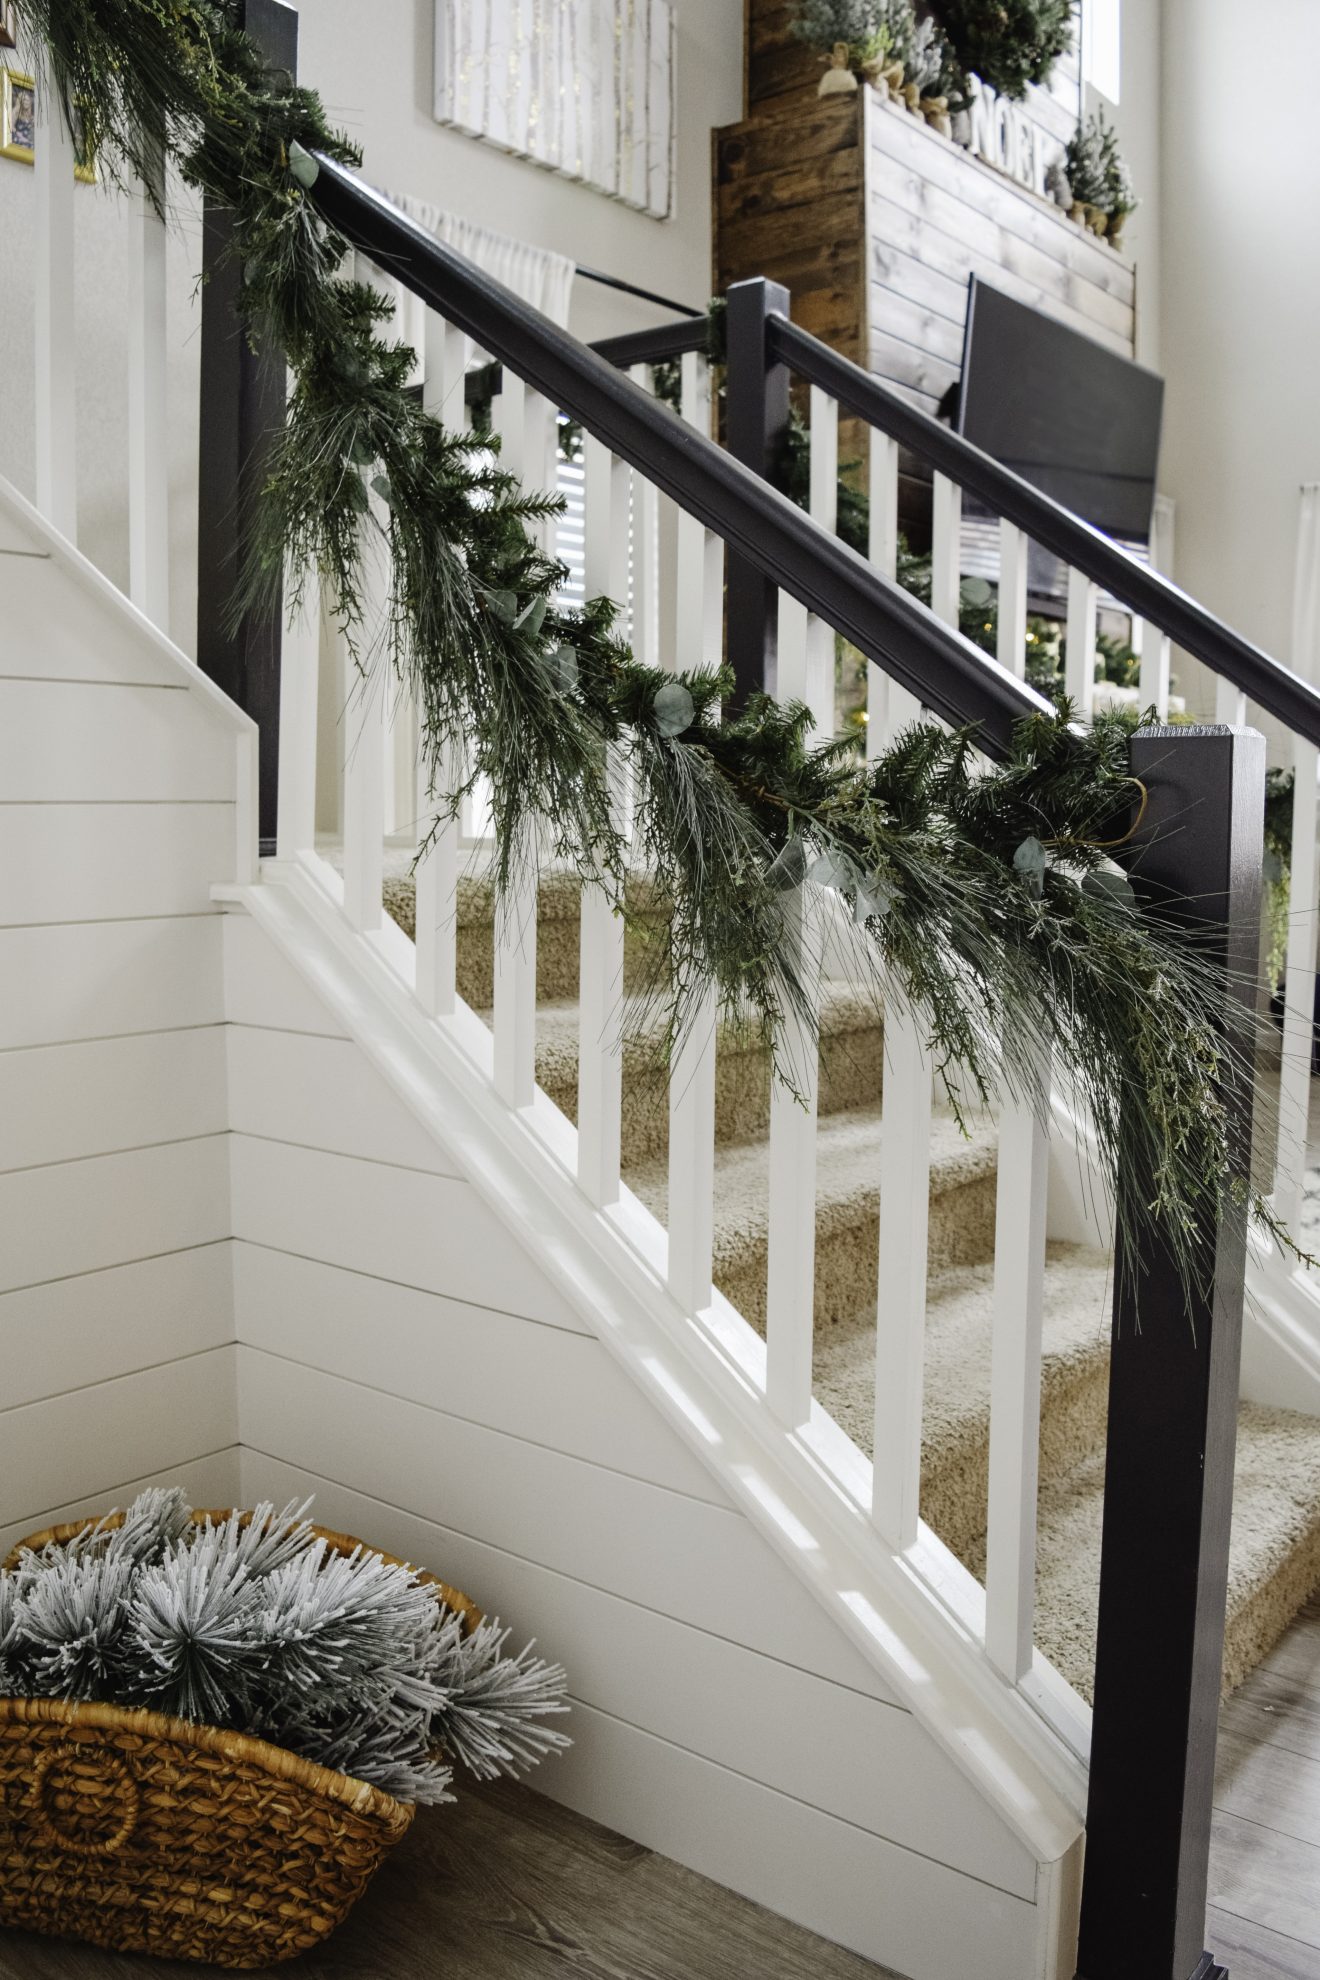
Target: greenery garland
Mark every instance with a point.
(984, 900)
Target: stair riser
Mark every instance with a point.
(955, 1475)
(851, 1075)
(558, 941)
(961, 1232)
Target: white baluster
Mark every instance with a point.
(901, 1305)
(692, 1158)
(1230, 704)
(1299, 991)
(1021, 1199)
(515, 986)
(1154, 646)
(446, 360)
(791, 1261)
(300, 666)
(1155, 649)
(56, 367)
(1012, 647)
(645, 627)
(1299, 981)
(889, 707)
(600, 1045)
(692, 1073)
(364, 727)
(946, 549)
(1079, 666)
(823, 503)
(515, 908)
(148, 418)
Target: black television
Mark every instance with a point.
(1076, 420)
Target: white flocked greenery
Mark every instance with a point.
(255, 1623)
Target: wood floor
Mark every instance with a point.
(505, 1885)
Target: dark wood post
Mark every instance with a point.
(1173, 1399)
(756, 415)
(243, 402)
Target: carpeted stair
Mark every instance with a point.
(1276, 1539)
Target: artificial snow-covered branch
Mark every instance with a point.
(258, 1624)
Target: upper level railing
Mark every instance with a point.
(756, 522)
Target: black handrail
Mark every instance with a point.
(888, 625)
(1263, 680)
(659, 345)
(631, 289)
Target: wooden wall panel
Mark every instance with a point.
(876, 224)
(409, 1366)
(117, 816)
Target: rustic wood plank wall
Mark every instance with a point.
(876, 224)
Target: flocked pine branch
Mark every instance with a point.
(256, 1623)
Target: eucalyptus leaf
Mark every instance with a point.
(564, 665)
(833, 869)
(532, 616)
(788, 868)
(1107, 883)
(1029, 865)
(303, 168)
(381, 486)
(504, 604)
(673, 708)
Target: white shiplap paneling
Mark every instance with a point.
(105, 979)
(99, 1325)
(79, 1443)
(61, 1103)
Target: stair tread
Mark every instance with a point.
(959, 1312)
(847, 1176)
(844, 1008)
(1274, 1558)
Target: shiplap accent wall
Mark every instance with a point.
(400, 1355)
(117, 1363)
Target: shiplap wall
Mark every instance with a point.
(400, 1355)
(117, 1363)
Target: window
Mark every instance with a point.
(1102, 46)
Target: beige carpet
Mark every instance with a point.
(1275, 1561)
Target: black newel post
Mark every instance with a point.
(243, 400)
(756, 414)
(1173, 1397)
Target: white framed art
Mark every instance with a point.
(583, 87)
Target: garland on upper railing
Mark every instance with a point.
(984, 899)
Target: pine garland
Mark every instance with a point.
(985, 902)
(255, 1625)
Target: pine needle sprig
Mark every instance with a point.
(256, 1624)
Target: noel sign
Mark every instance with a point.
(1005, 135)
(584, 87)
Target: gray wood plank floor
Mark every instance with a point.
(1265, 1855)
(508, 1886)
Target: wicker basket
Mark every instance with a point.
(149, 1834)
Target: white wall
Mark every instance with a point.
(377, 87)
(116, 1355)
(1241, 306)
(1137, 118)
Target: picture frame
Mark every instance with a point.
(18, 116)
(8, 25)
(18, 133)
